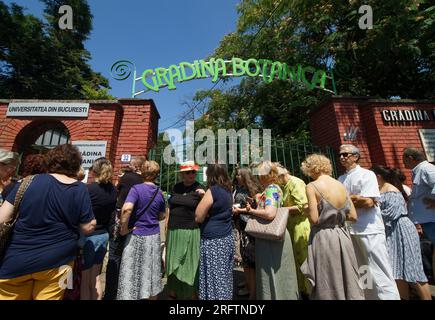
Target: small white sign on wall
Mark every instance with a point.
(126, 158)
(90, 150)
(48, 109)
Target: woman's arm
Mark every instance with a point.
(162, 216)
(268, 213)
(168, 211)
(271, 205)
(126, 211)
(352, 215)
(298, 197)
(203, 207)
(6, 211)
(88, 228)
(363, 202)
(312, 211)
(297, 209)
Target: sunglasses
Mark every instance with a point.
(345, 154)
(190, 172)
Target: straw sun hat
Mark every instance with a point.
(188, 166)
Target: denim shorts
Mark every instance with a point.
(94, 249)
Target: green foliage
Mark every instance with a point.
(395, 58)
(39, 60)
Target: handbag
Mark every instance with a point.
(7, 227)
(268, 230)
(74, 293)
(121, 239)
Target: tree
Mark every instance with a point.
(395, 58)
(39, 60)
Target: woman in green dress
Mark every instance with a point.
(183, 235)
(298, 225)
(274, 261)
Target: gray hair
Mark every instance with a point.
(9, 158)
(353, 149)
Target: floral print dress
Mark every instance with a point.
(275, 265)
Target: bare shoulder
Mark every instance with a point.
(391, 188)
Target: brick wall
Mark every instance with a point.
(128, 125)
(380, 142)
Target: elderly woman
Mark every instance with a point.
(8, 164)
(182, 245)
(298, 225)
(140, 275)
(43, 246)
(217, 241)
(103, 199)
(275, 265)
(331, 265)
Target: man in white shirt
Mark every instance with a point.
(368, 233)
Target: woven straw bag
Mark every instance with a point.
(7, 227)
(268, 230)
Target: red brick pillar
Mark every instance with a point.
(138, 129)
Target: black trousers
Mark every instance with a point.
(113, 266)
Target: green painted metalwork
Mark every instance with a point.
(291, 156)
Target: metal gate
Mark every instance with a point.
(289, 153)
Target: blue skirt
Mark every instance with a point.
(216, 268)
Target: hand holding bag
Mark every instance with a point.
(7, 227)
(268, 230)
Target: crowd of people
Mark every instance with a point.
(354, 238)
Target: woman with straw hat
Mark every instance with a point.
(183, 235)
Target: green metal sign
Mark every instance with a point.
(215, 68)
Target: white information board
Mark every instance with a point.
(427, 137)
(90, 150)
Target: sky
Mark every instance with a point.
(154, 34)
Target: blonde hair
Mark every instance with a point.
(137, 162)
(102, 169)
(282, 173)
(81, 174)
(269, 170)
(150, 170)
(315, 165)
